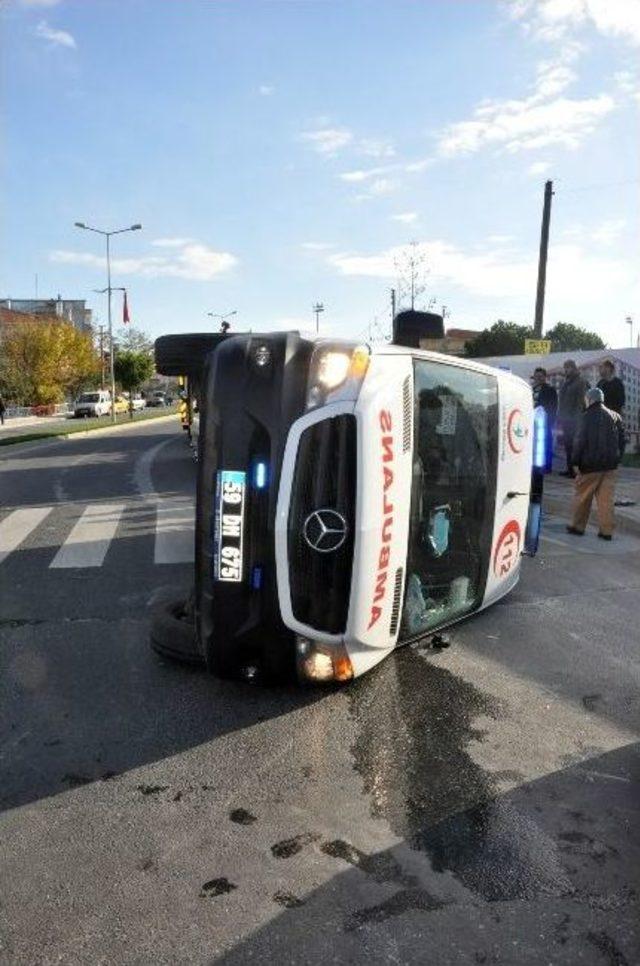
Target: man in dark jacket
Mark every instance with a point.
(612, 387)
(570, 407)
(597, 449)
(546, 396)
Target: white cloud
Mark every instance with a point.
(171, 242)
(526, 124)
(500, 239)
(266, 90)
(193, 261)
(405, 217)
(328, 140)
(539, 167)
(555, 19)
(317, 246)
(609, 231)
(364, 175)
(378, 188)
(58, 38)
(628, 83)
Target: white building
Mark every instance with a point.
(626, 361)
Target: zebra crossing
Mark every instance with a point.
(87, 543)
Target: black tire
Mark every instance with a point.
(173, 633)
(411, 326)
(184, 355)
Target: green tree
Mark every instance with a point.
(501, 339)
(566, 337)
(43, 361)
(132, 369)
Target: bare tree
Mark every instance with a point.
(411, 266)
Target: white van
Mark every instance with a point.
(94, 403)
(351, 499)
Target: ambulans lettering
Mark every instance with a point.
(386, 536)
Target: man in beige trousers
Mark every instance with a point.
(597, 450)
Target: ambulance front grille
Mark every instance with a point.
(323, 494)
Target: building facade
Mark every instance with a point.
(71, 310)
(453, 342)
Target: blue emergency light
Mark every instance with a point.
(260, 475)
(539, 438)
(256, 578)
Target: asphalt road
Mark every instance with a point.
(478, 805)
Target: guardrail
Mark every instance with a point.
(19, 412)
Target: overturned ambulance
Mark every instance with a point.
(350, 499)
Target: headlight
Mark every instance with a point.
(322, 662)
(336, 373)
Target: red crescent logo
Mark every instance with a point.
(512, 432)
(507, 548)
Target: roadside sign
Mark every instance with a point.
(537, 347)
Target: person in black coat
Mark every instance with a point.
(612, 387)
(598, 447)
(546, 396)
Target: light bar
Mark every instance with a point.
(256, 578)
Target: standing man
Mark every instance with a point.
(570, 407)
(598, 446)
(3, 410)
(612, 387)
(546, 396)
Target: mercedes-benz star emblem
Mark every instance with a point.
(325, 530)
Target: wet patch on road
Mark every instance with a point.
(608, 948)
(216, 887)
(382, 867)
(288, 900)
(407, 900)
(151, 789)
(415, 724)
(289, 847)
(242, 817)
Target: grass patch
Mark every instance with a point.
(71, 426)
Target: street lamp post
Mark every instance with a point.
(317, 309)
(629, 322)
(107, 235)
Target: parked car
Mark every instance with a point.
(95, 403)
(137, 402)
(121, 404)
(157, 398)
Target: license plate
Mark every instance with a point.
(228, 526)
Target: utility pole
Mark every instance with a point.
(101, 327)
(542, 260)
(318, 308)
(629, 322)
(393, 305)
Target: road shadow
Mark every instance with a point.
(546, 873)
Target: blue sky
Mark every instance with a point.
(279, 152)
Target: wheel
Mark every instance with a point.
(182, 355)
(173, 631)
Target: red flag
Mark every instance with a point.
(125, 310)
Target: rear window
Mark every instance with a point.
(88, 397)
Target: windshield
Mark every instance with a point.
(89, 397)
(452, 495)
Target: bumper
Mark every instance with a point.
(246, 413)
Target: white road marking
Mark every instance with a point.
(17, 526)
(88, 542)
(175, 525)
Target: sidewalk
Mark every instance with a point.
(558, 493)
(16, 426)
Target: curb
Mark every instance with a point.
(560, 508)
(9, 448)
